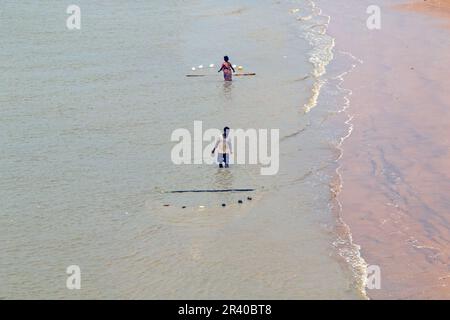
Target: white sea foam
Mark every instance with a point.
(315, 26)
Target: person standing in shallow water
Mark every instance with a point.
(226, 68)
(224, 148)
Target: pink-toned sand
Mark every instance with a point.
(438, 8)
(396, 163)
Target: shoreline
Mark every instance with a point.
(394, 166)
(349, 251)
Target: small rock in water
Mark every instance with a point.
(239, 201)
(183, 207)
(249, 198)
(223, 204)
(166, 205)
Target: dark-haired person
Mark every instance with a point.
(224, 149)
(226, 68)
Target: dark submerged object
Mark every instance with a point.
(213, 190)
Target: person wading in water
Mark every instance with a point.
(223, 146)
(226, 68)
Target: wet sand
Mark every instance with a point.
(396, 163)
(437, 8)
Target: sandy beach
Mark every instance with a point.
(437, 8)
(395, 166)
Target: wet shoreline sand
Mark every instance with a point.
(437, 8)
(395, 164)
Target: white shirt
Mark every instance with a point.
(223, 145)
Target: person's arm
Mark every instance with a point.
(231, 66)
(215, 147)
(221, 68)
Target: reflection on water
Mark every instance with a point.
(227, 90)
(223, 179)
